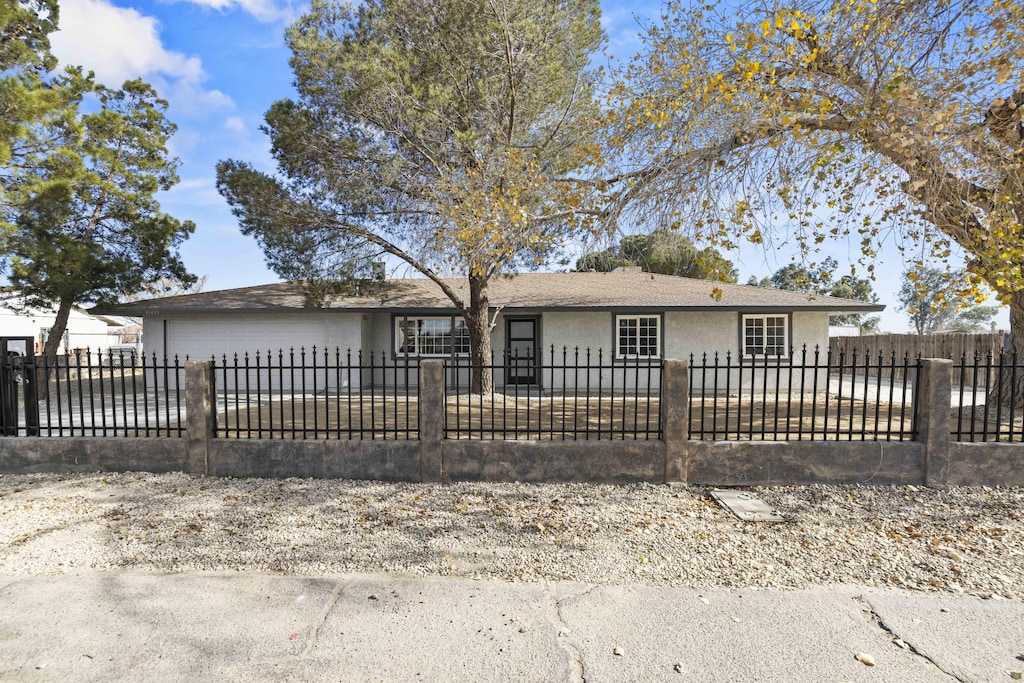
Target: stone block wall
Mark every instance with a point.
(933, 459)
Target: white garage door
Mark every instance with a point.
(201, 340)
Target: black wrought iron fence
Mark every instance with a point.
(804, 396)
(558, 395)
(988, 398)
(571, 394)
(317, 394)
(92, 393)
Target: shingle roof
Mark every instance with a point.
(548, 291)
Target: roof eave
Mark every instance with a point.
(416, 310)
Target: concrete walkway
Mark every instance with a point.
(218, 627)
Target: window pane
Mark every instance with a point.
(431, 336)
(638, 336)
(461, 341)
(753, 337)
(648, 340)
(627, 336)
(775, 335)
(521, 329)
(765, 335)
(406, 336)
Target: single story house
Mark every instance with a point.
(626, 314)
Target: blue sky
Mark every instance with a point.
(221, 63)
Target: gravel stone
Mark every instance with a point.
(957, 540)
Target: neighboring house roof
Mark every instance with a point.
(619, 290)
(11, 307)
(114, 321)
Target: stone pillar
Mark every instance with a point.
(431, 417)
(200, 414)
(931, 403)
(675, 419)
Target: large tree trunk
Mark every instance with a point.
(60, 324)
(478, 322)
(47, 365)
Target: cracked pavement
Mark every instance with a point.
(125, 626)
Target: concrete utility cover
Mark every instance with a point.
(746, 506)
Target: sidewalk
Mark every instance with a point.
(228, 627)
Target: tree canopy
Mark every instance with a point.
(85, 224)
(821, 280)
(25, 26)
(940, 300)
(25, 96)
(808, 121)
(663, 251)
(449, 135)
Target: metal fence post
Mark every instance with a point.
(431, 419)
(932, 399)
(200, 414)
(675, 419)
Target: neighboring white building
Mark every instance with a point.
(83, 330)
(843, 331)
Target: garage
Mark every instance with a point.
(201, 340)
(205, 339)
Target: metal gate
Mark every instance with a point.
(19, 406)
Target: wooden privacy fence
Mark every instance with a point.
(954, 345)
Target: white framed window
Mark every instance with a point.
(638, 336)
(765, 335)
(431, 336)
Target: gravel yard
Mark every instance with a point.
(957, 540)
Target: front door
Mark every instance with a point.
(521, 350)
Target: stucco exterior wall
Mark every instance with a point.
(378, 334)
(711, 332)
(586, 329)
(810, 329)
(701, 332)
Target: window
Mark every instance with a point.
(431, 336)
(44, 335)
(765, 335)
(638, 336)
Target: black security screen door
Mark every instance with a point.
(521, 336)
(18, 405)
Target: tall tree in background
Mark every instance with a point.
(667, 252)
(449, 134)
(26, 95)
(820, 279)
(813, 120)
(24, 59)
(858, 289)
(86, 224)
(938, 300)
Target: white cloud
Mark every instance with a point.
(192, 192)
(264, 10)
(236, 125)
(190, 98)
(119, 43)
